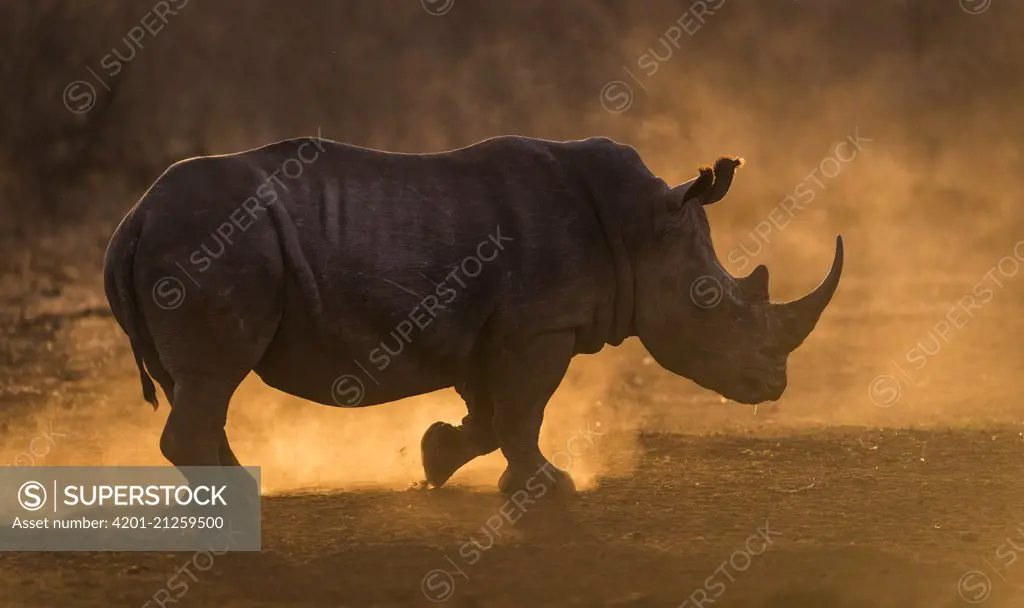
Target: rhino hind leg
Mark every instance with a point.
(206, 349)
(172, 446)
(522, 379)
(194, 433)
(446, 448)
(225, 454)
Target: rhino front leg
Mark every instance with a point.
(522, 378)
(447, 448)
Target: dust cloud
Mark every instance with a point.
(304, 446)
(927, 195)
(308, 446)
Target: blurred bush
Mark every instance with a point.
(776, 80)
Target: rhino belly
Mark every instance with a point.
(340, 375)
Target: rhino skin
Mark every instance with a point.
(352, 277)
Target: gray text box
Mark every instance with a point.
(130, 509)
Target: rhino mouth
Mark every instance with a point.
(753, 390)
(752, 386)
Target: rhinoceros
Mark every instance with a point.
(353, 277)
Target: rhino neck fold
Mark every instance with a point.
(613, 224)
(622, 193)
(623, 324)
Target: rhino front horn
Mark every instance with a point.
(799, 317)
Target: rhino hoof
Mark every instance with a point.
(546, 479)
(444, 450)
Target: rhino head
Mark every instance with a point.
(699, 321)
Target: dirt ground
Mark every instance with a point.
(837, 496)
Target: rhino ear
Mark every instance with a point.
(710, 186)
(697, 188)
(725, 169)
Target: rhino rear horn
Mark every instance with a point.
(754, 286)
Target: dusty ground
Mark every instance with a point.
(911, 504)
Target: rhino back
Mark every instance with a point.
(500, 223)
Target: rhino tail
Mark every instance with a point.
(119, 284)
